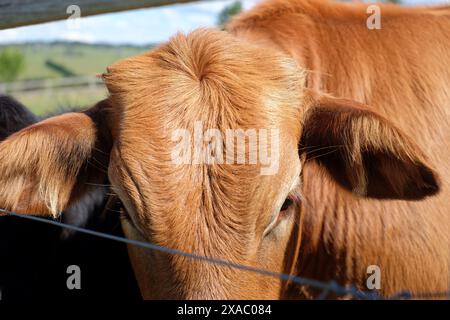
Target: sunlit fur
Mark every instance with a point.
(372, 171)
(400, 71)
(45, 167)
(211, 77)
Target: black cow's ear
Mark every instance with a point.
(46, 167)
(364, 152)
(14, 116)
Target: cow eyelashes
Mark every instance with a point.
(281, 215)
(284, 210)
(126, 217)
(287, 203)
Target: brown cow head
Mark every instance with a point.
(180, 178)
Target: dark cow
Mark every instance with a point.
(35, 256)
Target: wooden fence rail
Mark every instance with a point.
(15, 13)
(50, 84)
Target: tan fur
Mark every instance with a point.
(366, 145)
(52, 167)
(362, 166)
(45, 167)
(221, 206)
(399, 71)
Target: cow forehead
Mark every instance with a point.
(208, 84)
(205, 73)
(210, 77)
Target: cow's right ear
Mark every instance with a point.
(365, 152)
(46, 167)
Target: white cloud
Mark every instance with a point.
(78, 36)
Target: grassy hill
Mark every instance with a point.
(62, 59)
(79, 58)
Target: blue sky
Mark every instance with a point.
(133, 27)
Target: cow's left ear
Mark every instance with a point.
(50, 165)
(364, 152)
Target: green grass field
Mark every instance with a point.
(42, 103)
(74, 58)
(80, 59)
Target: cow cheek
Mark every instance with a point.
(141, 261)
(278, 254)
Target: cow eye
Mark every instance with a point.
(287, 203)
(280, 216)
(124, 216)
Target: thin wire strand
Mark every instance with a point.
(326, 287)
(147, 245)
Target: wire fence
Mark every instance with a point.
(33, 13)
(91, 82)
(326, 287)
